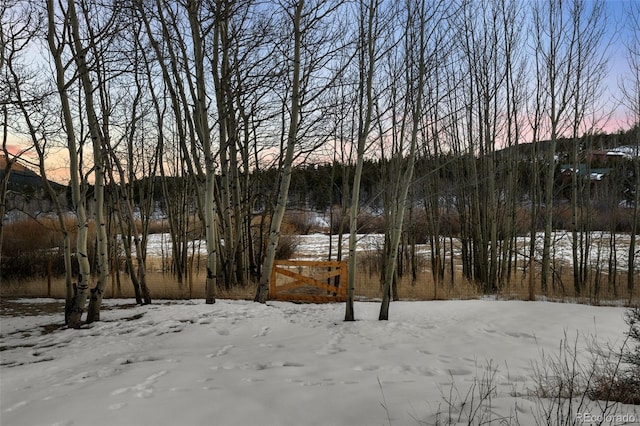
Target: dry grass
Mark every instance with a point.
(161, 286)
(25, 271)
(165, 286)
(422, 288)
(21, 237)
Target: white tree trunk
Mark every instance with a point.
(98, 143)
(200, 116)
(75, 306)
(365, 95)
(413, 110)
(262, 293)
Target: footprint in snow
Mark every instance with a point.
(263, 332)
(519, 335)
(366, 368)
(330, 350)
(287, 364)
(223, 351)
(117, 406)
(459, 371)
(333, 346)
(144, 389)
(16, 406)
(271, 345)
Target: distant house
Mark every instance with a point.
(584, 171)
(604, 156)
(597, 164)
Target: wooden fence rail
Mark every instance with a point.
(308, 281)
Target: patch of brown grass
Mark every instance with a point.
(161, 286)
(367, 286)
(33, 247)
(422, 288)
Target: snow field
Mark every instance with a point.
(242, 363)
(317, 246)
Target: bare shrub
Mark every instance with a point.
(568, 386)
(572, 387)
(33, 247)
(559, 376)
(473, 406)
(287, 246)
(158, 226)
(301, 222)
(632, 318)
(601, 217)
(629, 387)
(368, 223)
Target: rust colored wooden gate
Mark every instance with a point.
(308, 281)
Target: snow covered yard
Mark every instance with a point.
(317, 246)
(243, 363)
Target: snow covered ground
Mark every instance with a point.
(243, 363)
(316, 246)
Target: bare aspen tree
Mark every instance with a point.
(557, 39)
(478, 95)
(278, 214)
(17, 30)
(631, 99)
(421, 35)
(534, 111)
(553, 81)
(368, 43)
(179, 49)
(98, 130)
(33, 102)
(86, 37)
(217, 71)
(183, 79)
(342, 158)
(433, 159)
(228, 192)
(316, 43)
(243, 74)
(57, 46)
(176, 184)
(515, 97)
(127, 157)
(203, 131)
(125, 216)
(590, 70)
(485, 78)
(460, 122)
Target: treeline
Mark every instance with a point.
(319, 187)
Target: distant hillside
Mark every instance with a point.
(23, 179)
(622, 142)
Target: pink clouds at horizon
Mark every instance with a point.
(56, 163)
(21, 151)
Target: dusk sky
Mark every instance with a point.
(619, 34)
